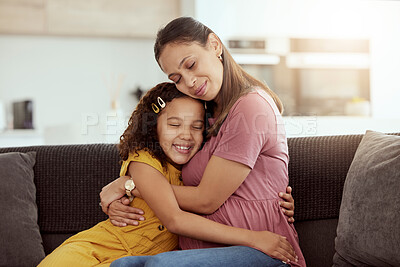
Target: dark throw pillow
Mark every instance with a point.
(21, 242)
(368, 232)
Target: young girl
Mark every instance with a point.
(236, 177)
(164, 132)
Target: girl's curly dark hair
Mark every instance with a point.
(142, 126)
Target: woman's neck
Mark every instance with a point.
(217, 107)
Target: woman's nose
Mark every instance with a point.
(190, 81)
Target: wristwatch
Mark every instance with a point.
(129, 186)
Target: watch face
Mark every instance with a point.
(129, 185)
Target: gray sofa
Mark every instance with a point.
(68, 180)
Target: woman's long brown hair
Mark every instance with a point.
(236, 81)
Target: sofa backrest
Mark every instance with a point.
(317, 170)
(68, 181)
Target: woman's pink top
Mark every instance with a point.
(253, 134)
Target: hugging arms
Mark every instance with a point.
(115, 203)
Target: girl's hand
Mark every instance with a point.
(288, 204)
(274, 245)
(121, 214)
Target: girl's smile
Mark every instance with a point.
(182, 148)
(180, 129)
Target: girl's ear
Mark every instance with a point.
(215, 44)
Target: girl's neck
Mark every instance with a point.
(177, 166)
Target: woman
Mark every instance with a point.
(236, 177)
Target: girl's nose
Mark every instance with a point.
(185, 134)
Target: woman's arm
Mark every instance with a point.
(158, 194)
(116, 206)
(216, 186)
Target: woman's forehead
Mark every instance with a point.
(174, 53)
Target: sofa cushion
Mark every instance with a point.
(21, 242)
(368, 231)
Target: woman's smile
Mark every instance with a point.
(201, 90)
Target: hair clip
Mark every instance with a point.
(160, 102)
(155, 108)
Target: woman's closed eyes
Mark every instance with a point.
(177, 78)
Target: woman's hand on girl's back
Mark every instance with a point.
(274, 245)
(288, 204)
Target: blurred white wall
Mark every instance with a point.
(385, 58)
(377, 20)
(67, 79)
(313, 18)
(64, 76)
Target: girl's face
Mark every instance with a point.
(180, 129)
(197, 71)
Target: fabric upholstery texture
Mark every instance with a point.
(20, 242)
(368, 232)
(316, 159)
(68, 180)
(60, 170)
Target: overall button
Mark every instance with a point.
(161, 227)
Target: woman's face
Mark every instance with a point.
(196, 70)
(180, 129)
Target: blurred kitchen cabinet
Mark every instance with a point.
(119, 18)
(105, 18)
(23, 16)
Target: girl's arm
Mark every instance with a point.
(158, 194)
(288, 204)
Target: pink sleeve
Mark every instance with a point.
(249, 129)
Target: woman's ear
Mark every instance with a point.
(215, 44)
